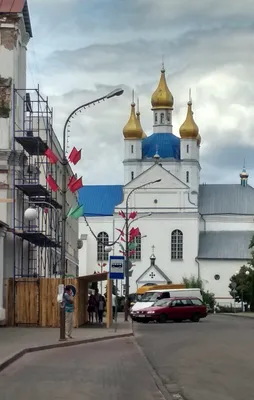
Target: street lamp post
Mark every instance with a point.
(116, 92)
(127, 254)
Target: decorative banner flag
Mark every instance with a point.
(75, 156)
(76, 212)
(133, 215)
(76, 185)
(51, 156)
(121, 213)
(52, 183)
(134, 232)
(71, 181)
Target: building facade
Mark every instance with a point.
(28, 249)
(191, 229)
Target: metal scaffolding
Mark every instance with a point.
(36, 243)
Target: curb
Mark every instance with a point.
(34, 349)
(236, 316)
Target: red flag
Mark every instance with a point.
(51, 156)
(133, 215)
(73, 154)
(76, 185)
(71, 180)
(52, 183)
(77, 157)
(121, 213)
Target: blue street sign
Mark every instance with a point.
(116, 267)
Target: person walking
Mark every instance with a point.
(101, 307)
(69, 311)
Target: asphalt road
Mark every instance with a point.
(210, 360)
(110, 370)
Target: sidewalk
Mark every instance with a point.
(239, 315)
(17, 341)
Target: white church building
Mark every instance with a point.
(191, 229)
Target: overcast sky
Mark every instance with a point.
(83, 49)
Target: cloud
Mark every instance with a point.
(99, 45)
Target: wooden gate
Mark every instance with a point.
(26, 310)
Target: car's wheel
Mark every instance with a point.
(163, 318)
(195, 318)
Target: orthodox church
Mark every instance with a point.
(186, 228)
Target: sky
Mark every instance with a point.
(83, 49)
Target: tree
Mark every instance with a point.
(241, 285)
(193, 282)
(114, 289)
(244, 283)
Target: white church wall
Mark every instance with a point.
(226, 223)
(157, 229)
(225, 269)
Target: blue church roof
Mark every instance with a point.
(167, 145)
(100, 200)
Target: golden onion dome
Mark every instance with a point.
(162, 97)
(198, 139)
(132, 129)
(189, 129)
(138, 118)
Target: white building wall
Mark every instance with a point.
(158, 230)
(132, 159)
(225, 269)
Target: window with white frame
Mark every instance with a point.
(162, 118)
(177, 245)
(132, 175)
(187, 148)
(187, 177)
(137, 255)
(132, 149)
(102, 241)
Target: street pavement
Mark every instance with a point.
(15, 339)
(211, 360)
(111, 370)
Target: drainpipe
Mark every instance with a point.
(202, 217)
(196, 259)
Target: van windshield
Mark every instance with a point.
(152, 296)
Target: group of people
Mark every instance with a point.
(96, 307)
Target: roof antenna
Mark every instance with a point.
(132, 96)
(137, 105)
(162, 63)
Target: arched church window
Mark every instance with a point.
(187, 148)
(177, 245)
(102, 241)
(137, 254)
(168, 116)
(132, 149)
(155, 117)
(132, 175)
(162, 118)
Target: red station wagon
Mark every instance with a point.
(176, 309)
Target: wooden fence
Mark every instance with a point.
(33, 302)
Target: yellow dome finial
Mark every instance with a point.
(189, 129)
(138, 118)
(132, 129)
(162, 97)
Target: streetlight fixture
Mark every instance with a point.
(115, 92)
(127, 255)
